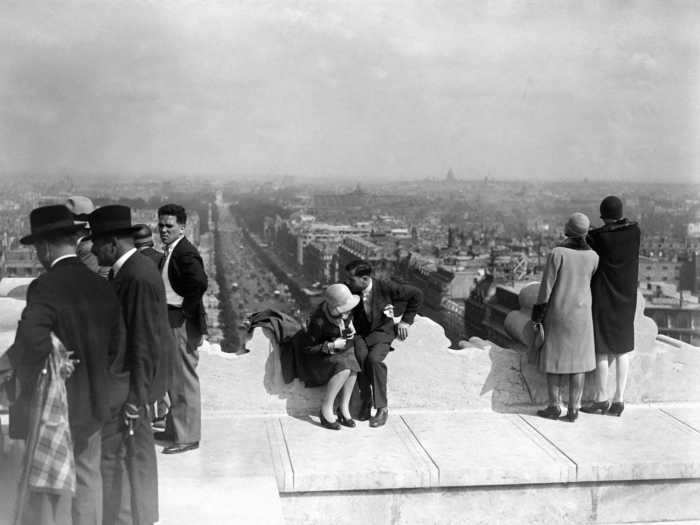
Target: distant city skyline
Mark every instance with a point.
(364, 90)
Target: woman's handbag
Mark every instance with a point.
(533, 354)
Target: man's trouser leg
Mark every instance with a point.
(87, 503)
(142, 467)
(184, 420)
(363, 382)
(376, 371)
(116, 508)
(47, 509)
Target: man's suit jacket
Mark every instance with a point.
(187, 277)
(153, 254)
(141, 292)
(83, 311)
(380, 328)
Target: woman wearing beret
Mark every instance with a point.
(330, 349)
(564, 307)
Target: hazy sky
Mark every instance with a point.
(544, 89)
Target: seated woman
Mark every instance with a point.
(564, 305)
(330, 350)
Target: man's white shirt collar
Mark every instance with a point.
(61, 258)
(170, 247)
(120, 262)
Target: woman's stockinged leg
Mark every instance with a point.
(332, 389)
(622, 368)
(601, 376)
(575, 390)
(553, 390)
(346, 394)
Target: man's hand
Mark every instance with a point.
(68, 365)
(402, 330)
(131, 412)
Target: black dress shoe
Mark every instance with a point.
(550, 413)
(379, 418)
(180, 447)
(596, 406)
(346, 422)
(331, 425)
(571, 415)
(616, 409)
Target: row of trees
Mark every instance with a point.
(228, 318)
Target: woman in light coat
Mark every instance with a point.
(564, 306)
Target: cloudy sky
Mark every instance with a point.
(356, 89)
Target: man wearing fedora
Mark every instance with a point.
(139, 287)
(185, 282)
(82, 310)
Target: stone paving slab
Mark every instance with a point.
(688, 415)
(360, 458)
(486, 448)
(230, 447)
(220, 500)
(643, 444)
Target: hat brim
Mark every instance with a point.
(32, 238)
(349, 304)
(106, 233)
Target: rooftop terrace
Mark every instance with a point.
(462, 444)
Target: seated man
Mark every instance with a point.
(374, 321)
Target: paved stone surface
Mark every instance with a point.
(483, 448)
(230, 447)
(219, 501)
(232, 474)
(689, 415)
(643, 444)
(360, 458)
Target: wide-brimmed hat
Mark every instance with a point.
(111, 219)
(47, 220)
(339, 296)
(81, 207)
(577, 225)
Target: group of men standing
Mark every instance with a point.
(132, 338)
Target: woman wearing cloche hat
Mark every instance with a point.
(330, 348)
(564, 307)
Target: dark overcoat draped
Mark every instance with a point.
(614, 285)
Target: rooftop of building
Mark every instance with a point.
(461, 429)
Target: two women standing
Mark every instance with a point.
(587, 301)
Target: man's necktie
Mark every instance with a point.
(166, 251)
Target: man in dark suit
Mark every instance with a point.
(82, 310)
(185, 283)
(375, 323)
(139, 286)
